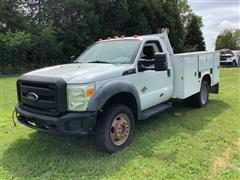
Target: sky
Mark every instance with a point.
(217, 15)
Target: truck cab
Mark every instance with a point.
(113, 84)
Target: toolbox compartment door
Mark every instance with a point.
(205, 61)
(191, 83)
(216, 67)
(186, 82)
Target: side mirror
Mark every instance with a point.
(160, 62)
(73, 58)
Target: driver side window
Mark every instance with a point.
(149, 49)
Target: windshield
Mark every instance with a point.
(226, 52)
(120, 51)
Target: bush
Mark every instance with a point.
(22, 51)
(47, 49)
(14, 50)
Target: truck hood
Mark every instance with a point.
(226, 55)
(82, 72)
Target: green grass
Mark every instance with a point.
(180, 143)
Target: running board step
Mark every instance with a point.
(154, 110)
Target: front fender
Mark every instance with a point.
(104, 93)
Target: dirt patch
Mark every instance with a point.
(237, 142)
(220, 163)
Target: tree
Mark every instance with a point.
(185, 10)
(58, 29)
(229, 39)
(137, 24)
(122, 14)
(176, 33)
(194, 40)
(113, 16)
(14, 49)
(236, 36)
(47, 49)
(166, 14)
(10, 17)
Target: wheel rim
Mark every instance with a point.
(204, 94)
(120, 127)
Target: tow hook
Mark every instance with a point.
(14, 113)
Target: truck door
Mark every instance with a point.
(154, 87)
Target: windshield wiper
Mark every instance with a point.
(99, 62)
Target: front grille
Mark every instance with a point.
(51, 93)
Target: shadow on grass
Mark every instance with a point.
(44, 155)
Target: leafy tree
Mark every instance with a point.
(185, 10)
(122, 15)
(194, 40)
(236, 36)
(47, 49)
(229, 39)
(14, 49)
(74, 21)
(137, 24)
(166, 14)
(10, 17)
(47, 32)
(113, 16)
(176, 33)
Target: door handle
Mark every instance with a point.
(169, 72)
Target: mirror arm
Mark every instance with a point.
(142, 67)
(147, 62)
(73, 59)
(149, 68)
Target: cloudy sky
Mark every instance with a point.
(217, 15)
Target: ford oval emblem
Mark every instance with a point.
(32, 96)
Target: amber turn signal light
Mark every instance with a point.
(90, 92)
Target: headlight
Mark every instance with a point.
(78, 96)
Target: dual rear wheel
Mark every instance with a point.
(201, 98)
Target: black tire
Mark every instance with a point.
(105, 129)
(201, 98)
(234, 64)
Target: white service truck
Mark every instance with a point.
(111, 85)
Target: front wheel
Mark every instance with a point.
(234, 64)
(115, 128)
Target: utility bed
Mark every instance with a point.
(188, 69)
